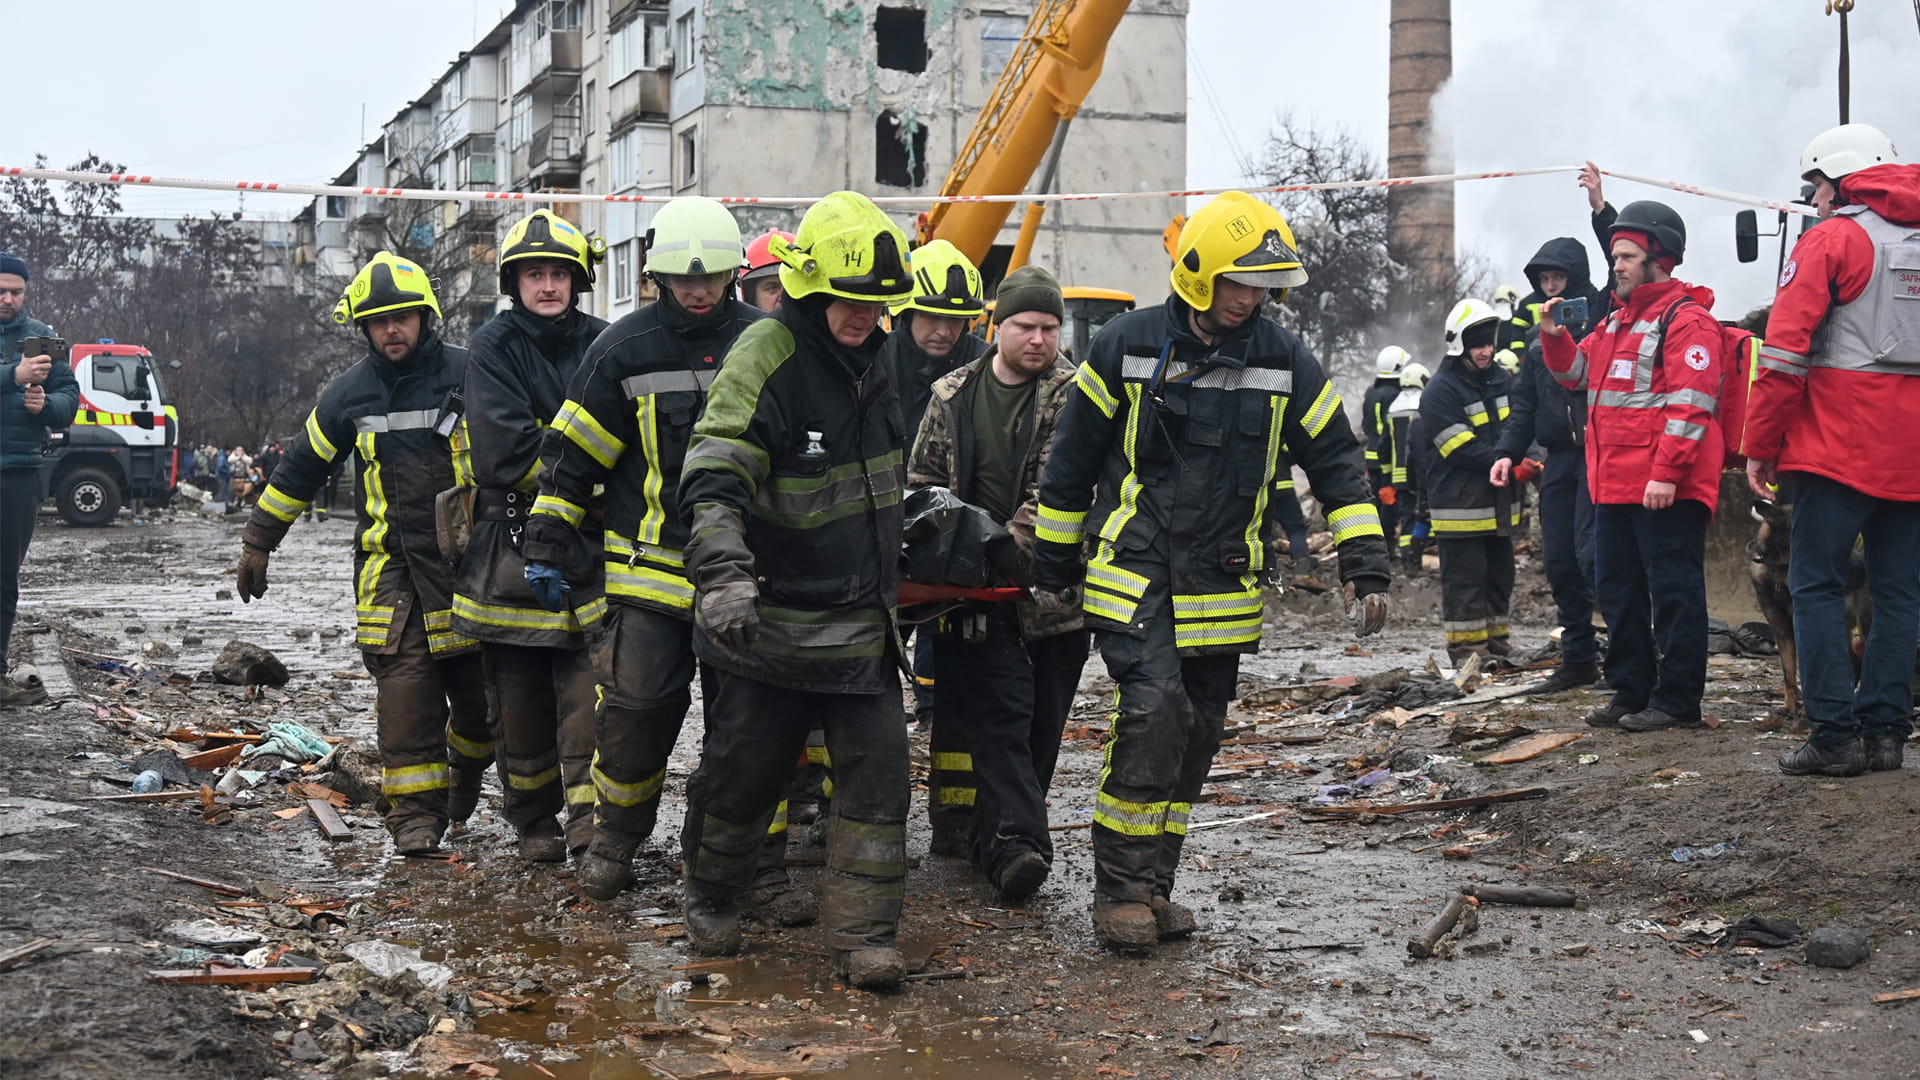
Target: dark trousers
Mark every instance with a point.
(19, 505)
(1172, 712)
(418, 702)
(646, 666)
(1566, 539)
(543, 703)
(1293, 524)
(1650, 567)
(923, 672)
(755, 730)
(998, 733)
(1476, 587)
(1827, 518)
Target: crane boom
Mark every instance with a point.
(1049, 75)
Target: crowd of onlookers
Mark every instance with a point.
(233, 478)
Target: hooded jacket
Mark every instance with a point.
(913, 372)
(1855, 427)
(22, 433)
(1543, 411)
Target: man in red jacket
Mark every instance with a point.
(1836, 410)
(1654, 453)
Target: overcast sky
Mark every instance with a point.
(1723, 95)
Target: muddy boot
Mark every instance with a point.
(1499, 646)
(1125, 926)
(1022, 876)
(1569, 677)
(1458, 655)
(876, 967)
(463, 794)
(1884, 752)
(781, 903)
(416, 837)
(1841, 759)
(543, 842)
(1171, 920)
(605, 869)
(1609, 715)
(713, 926)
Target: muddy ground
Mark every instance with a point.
(1300, 969)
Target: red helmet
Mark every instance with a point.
(760, 262)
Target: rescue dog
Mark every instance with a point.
(1769, 554)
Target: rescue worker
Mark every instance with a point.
(398, 411)
(792, 490)
(1011, 677)
(1651, 370)
(1415, 525)
(760, 285)
(1833, 414)
(539, 679)
(1465, 409)
(1165, 458)
(628, 415)
(1515, 320)
(1378, 431)
(1544, 413)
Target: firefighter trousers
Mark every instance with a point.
(1173, 709)
(647, 667)
(423, 709)
(542, 702)
(755, 730)
(1476, 585)
(997, 736)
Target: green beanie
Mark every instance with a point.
(1028, 289)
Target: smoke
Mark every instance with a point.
(1718, 95)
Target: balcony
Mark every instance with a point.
(555, 143)
(556, 53)
(475, 116)
(642, 95)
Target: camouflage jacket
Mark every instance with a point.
(943, 456)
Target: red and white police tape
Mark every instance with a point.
(284, 188)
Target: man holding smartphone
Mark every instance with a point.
(37, 393)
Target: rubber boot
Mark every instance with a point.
(415, 837)
(1172, 921)
(605, 869)
(543, 842)
(1125, 926)
(713, 926)
(1022, 876)
(463, 793)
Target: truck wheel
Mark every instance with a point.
(88, 497)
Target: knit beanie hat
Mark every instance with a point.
(1028, 289)
(14, 264)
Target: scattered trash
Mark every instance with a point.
(386, 959)
(1698, 1035)
(1766, 933)
(1688, 853)
(1462, 912)
(1528, 749)
(148, 782)
(212, 934)
(1833, 947)
(1588, 759)
(245, 664)
(670, 1003)
(293, 742)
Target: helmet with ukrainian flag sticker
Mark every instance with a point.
(944, 283)
(388, 283)
(846, 247)
(544, 234)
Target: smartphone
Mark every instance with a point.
(53, 347)
(1571, 312)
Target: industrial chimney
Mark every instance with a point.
(1419, 219)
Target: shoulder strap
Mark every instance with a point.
(1666, 319)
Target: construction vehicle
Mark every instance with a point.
(123, 444)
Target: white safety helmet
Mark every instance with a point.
(1506, 301)
(1415, 375)
(1388, 364)
(1843, 150)
(1466, 314)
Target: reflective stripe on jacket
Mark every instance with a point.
(1466, 413)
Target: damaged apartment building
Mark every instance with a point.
(750, 97)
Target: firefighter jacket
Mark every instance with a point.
(1651, 371)
(794, 482)
(1465, 413)
(518, 367)
(1381, 451)
(1400, 413)
(23, 434)
(403, 426)
(1166, 458)
(626, 423)
(944, 455)
(1838, 391)
(913, 372)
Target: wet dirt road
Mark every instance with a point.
(1300, 968)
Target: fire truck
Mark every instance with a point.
(123, 444)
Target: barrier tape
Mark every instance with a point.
(282, 188)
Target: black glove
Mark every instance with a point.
(730, 614)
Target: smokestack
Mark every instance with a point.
(1419, 219)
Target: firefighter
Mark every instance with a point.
(1165, 458)
(760, 285)
(1401, 413)
(398, 411)
(1516, 318)
(538, 677)
(792, 488)
(1834, 414)
(1465, 409)
(628, 413)
(1651, 370)
(1378, 431)
(1012, 670)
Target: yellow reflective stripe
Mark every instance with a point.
(519, 618)
(317, 438)
(779, 824)
(1091, 385)
(817, 755)
(412, 779)
(613, 791)
(1117, 609)
(531, 481)
(647, 583)
(468, 748)
(1321, 412)
(1225, 632)
(460, 446)
(1447, 525)
(1447, 448)
(953, 762)
(280, 505)
(1216, 605)
(1177, 815)
(1130, 818)
(1467, 637)
(1400, 475)
(957, 796)
(579, 426)
(1257, 551)
(1357, 519)
(439, 619)
(571, 513)
(1059, 526)
(449, 642)
(650, 488)
(538, 780)
(1108, 576)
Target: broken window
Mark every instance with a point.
(900, 38)
(900, 152)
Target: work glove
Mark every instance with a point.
(547, 585)
(1388, 496)
(250, 577)
(730, 614)
(1525, 470)
(1054, 601)
(1369, 612)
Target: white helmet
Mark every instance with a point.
(1840, 151)
(1506, 301)
(1415, 375)
(1508, 360)
(1390, 361)
(1466, 314)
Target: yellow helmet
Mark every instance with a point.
(544, 234)
(944, 283)
(846, 247)
(1239, 236)
(388, 283)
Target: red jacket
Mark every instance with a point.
(1652, 420)
(1860, 428)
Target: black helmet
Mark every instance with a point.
(1657, 220)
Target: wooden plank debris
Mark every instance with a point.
(15, 955)
(218, 975)
(217, 758)
(1422, 947)
(214, 886)
(328, 819)
(1488, 799)
(1530, 748)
